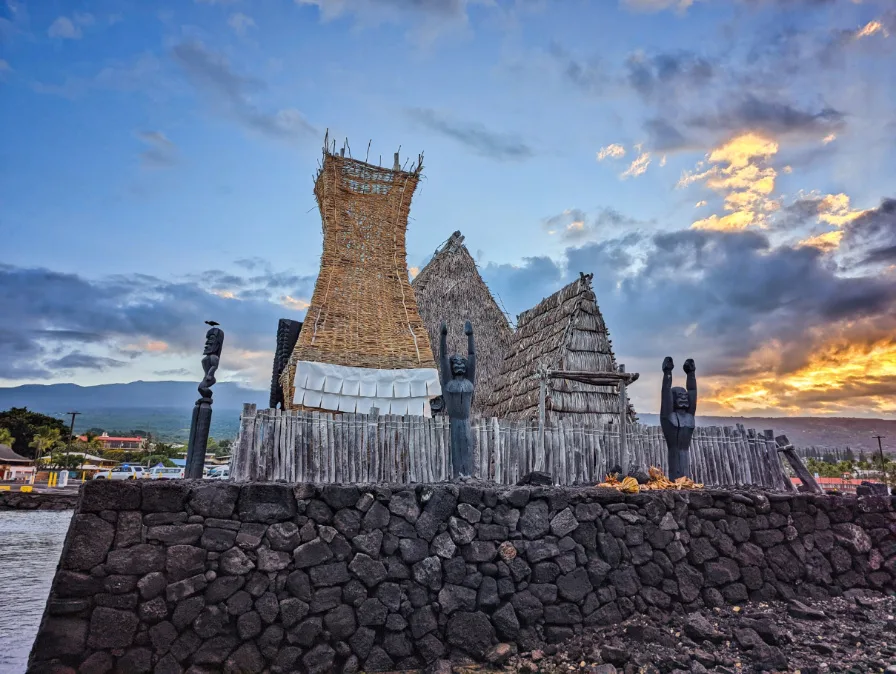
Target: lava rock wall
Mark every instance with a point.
(176, 576)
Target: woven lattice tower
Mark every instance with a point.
(363, 343)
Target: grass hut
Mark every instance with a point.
(362, 344)
(450, 288)
(562, 332)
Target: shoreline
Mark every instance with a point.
(17, 500)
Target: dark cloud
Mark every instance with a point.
(664, 137)
(871, 236)
(251, 263)
(68, 336)
(588, 76)
(885, 255)
(664, 73)
(475, 136)
(772, 116)
(177, 372)
(231, 93)
(715, 295)
(161, 153)
(84, 361)
(48, 314)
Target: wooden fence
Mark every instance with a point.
(298, 446)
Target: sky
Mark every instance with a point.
(724, 168)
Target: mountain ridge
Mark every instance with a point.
(140, 393)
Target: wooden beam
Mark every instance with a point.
(607, 378)
(786, 448)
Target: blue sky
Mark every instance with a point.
(723, 167)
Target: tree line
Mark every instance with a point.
(32, 434)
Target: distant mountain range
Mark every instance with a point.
(163, 408)
(50, 398)
(857, 434)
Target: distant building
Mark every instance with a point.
(844, 485)
(113, 442)
(14, 466)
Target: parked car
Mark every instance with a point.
(122, 473)
(218, 473)
(165, 473)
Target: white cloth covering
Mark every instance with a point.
(357, 389)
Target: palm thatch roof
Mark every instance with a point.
(562, 332)
(450, 288)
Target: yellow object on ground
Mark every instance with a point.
(4, 487)
(629, 485)
(26, 488)
(658, 480)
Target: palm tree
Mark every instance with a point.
(6, 437)
(46, 438)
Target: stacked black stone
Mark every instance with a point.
(182, 576)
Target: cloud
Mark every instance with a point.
(639, 165)
(176, 372)
(667, 74)
(240, 23)
(4, 67)
(385, 10)
(663, 137)
(84, 361)
(613, 151)
(574, 226)
(144, 74)
(49, 316)
(430, 19)
(588, 76)
(773, 117)
(870, 236)
(230, 94)
(161, 153)
(474, 136)
(752, 314)
(294, 303)
(740, 171)
(63, 28)
(70, 29)
(657, 5)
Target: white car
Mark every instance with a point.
(122, 473)
(218, 473)
(165, 473)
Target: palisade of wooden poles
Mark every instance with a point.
(303, 446)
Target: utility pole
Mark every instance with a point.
(880, 448)
(71, 431)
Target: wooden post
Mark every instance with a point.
(786, 448)
(623, 417)
(542, 395)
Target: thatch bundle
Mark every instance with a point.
(562, 332)
(363, 317)
(449, 288)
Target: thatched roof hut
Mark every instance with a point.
(562, 332)
(450, 288)
(363, 343)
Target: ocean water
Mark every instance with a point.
(30, 545)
